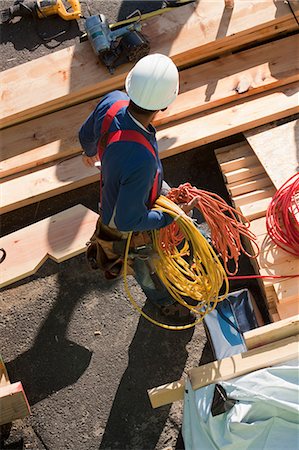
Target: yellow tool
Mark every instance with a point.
(41, 9)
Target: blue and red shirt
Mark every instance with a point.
(128, 170)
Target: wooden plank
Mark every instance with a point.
(254, 196)
(287, 310)
(46, 139)
(287, 291)
(56, 179)
(59, 237)
(4, 379)
(257, 209)
(230, 152)
(184, 136)
(272, 332)
(277, 149)
(42, 140)
(241, 175)
(227, 368)
(252, 184)
(74, 74)
(239, 163)
(217, 82)
(13, 403)
(225, 122)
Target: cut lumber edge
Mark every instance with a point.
(272, 332)
(13, 403)
(258, 358)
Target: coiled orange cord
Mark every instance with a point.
(227, 225)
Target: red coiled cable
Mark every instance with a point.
(282, 218)
(227, 225)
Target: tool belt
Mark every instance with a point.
(106, 249)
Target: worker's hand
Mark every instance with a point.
(187, 207)
(89, 161)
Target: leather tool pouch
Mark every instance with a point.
(101, 251)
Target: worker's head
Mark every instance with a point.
(153, 83)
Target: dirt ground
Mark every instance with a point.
(88, 391)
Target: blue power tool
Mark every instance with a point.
(116, 47)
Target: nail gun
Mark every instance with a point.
(115, 47)
(41, 9)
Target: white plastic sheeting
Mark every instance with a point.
(265, 416)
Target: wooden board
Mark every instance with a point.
(272, 332)
(227, 368)
(48, 138)
(74, 74)
(45, 183)
(277, 149)
(204, 128)
(59, 237)
(4, 379)
(13, 403)
(184, 136)
(287, 291)
(257, 209)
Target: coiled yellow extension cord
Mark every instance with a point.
(201, 281)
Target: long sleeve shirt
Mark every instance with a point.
(128, 170)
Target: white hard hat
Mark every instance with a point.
(153, 83)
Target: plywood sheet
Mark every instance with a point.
(188, 35)
(277, 148)
(59, 237)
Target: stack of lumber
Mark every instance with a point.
(13, 401)
(230, 83)
(253, 170)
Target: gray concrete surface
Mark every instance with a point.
(89, 391)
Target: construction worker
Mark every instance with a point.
(120, 134)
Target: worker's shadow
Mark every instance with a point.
(53, 362)
(156, 356)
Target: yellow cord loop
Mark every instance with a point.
(201, 279)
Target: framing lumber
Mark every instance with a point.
(224, 122)
(277, 149)
(213, 84)
(183, 136)
(13, 403)
(59, 237)
(249, 185)
(73, 75)
(257, 209)
(227, 368)
(272, 332)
